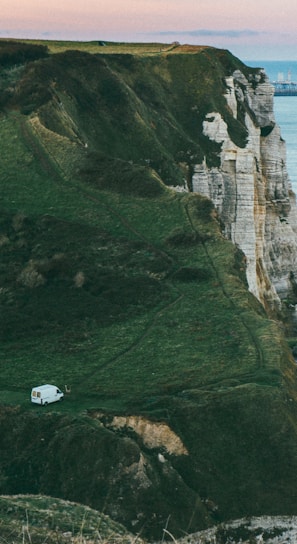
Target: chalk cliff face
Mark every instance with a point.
(184, 403)
(252, 191)
(180, 125)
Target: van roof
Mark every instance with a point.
(41, 387)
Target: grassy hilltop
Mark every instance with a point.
(120, 287)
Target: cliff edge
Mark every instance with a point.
(147, 241)
(212, 134)
(251, 188)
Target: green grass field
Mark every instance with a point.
(124, 289)
(188, 323)
(29, 518)
(96, 47)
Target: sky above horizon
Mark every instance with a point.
(251, 30)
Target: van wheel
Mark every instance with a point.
(45, 403)
(62, 398)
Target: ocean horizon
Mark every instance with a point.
(276, 68)
(285, 109)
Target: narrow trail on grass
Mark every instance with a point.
(252, 335)
(135, 344)
(33, 144)
(52, 168)
(48, 163)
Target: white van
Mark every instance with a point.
(45, 394)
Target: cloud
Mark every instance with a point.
(213, 33)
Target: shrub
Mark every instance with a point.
(18, 53)
(191, 273)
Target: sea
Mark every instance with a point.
(285, 110)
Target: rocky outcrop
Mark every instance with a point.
(260, 530)
(251, 188)
(153, 434)
(180, 126)
(112, 470)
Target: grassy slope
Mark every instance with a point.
(166, 252)
(38, 519)
(134, 298)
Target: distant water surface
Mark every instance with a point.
(275, 68)
(285, 110)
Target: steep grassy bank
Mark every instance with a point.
(38, 519)
(126, 291)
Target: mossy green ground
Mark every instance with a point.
(39, 519)
(125, 290)
(161, 307)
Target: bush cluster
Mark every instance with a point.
(18, 53)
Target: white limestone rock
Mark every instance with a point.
(259, 530)
(252, 191)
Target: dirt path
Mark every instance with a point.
(253, 337)
(52, 169)
(33, 144)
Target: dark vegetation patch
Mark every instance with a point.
(88, 297)
(14, 52)
(234, 415)
(208, 93)
(103, 462)
(33, 89)
(13, 57)
(202, 209)
(265, 131)
(188, 273)
(58, 274)
(145, 110)
(230, 63)
(37, 518)
(237, 130)
(121, 176)
(181, 238)
(240, 264)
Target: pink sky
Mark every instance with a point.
(251, 29)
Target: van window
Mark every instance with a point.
(38, 394)
(34, 394)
